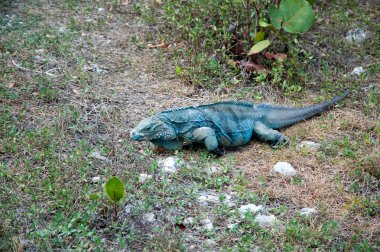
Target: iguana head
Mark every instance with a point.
(153, 128)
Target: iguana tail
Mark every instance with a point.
(279, 117)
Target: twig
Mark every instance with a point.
(271, 41)
(33, 71)
(249, 22)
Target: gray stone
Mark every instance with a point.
(356, 35)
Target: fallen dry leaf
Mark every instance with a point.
(275, 56)
(161, 45)
(125, 2)
(11, 84)
(253, 67)
(160, 149)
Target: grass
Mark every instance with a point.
(50, 125)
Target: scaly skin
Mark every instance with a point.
(224, 124)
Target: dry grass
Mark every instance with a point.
(45, 174)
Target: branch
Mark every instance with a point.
(33, 71)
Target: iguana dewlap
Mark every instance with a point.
(223, 124)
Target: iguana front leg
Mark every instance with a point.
(266, 134)
(207, 136)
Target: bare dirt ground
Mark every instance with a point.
(138, 81)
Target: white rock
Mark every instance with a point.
(96, 69)
(207, 224)
(149, 217)
(97, 155)
(101, 9)
(232, 226)
(214, 169)
(95, 179)
(358, 71)
(212, 198)
(171, 164)
(208, 198)
(250, 208)
(188, 221)
(41, 51)
(356, 35)
(349, 12)
(310, 145)
(144, 177)
(128, 209)
(308, 211)
(62, 29)
(227, 200)
(284, 168)
(265, 220)
(210, 243)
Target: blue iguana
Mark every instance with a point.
(223, 124)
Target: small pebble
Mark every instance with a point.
(310, 145)
(97, 155)
(232, 226)
(207, 224)
(144, 177)
(188, 221)
(95, 179)
(358, 71)
(308, 211)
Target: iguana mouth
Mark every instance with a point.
(136, 136)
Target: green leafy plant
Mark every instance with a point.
(223, 38)
(114, 190)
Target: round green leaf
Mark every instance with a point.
(114, 189)
(259, 47)
(297, 15)
(275, 17)
(263, 23)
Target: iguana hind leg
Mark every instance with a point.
(207, 136)
(269, 135)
